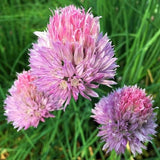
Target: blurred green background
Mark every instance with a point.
(134, 28)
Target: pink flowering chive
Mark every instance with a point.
(125, 115)
(25, 106)
(71, 24)
(72, 57)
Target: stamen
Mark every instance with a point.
(63, 84)
(74, 82)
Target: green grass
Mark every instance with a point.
(134, 28)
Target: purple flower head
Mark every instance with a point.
(125, 115)
(25, 106)
(72, 57)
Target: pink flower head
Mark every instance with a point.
(25, 106)
(126, 115)
(71, 24)
(72, 57)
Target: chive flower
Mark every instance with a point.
(126, 116)
(72, 57)
(25, 106)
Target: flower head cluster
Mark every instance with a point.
(72, 57)
(25, 106)
(126, 116)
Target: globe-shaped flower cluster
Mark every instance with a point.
(126, 116)
(72, 57)
(25, 106)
